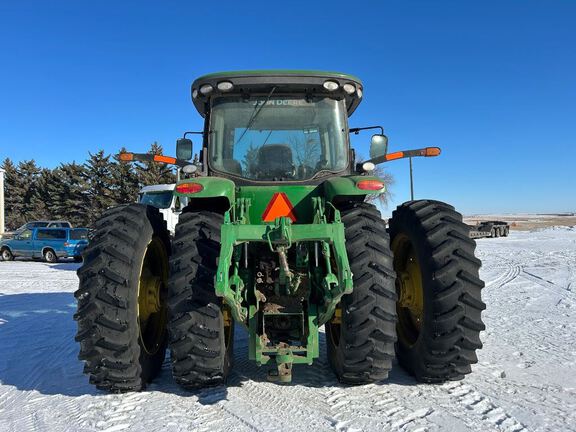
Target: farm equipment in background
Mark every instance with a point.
(489, 229)
(277, 237)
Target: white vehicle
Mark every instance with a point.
(162, 197)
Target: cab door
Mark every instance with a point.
(23, 244)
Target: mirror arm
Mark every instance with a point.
(355, 131)
(425, 152)
(148, 157)
(192, 133)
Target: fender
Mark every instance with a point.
(212, 187)
(345, 187)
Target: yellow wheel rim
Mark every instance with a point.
(152, 315)
(410, 306)
(228, 325)
(334, 325)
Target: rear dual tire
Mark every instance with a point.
(439, 307)
(121, 299)
(201, 330)
(360, 338)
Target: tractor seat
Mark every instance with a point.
(275, 160)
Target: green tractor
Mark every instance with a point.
(278, 237)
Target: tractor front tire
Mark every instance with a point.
(121, 299)
(361, 336)
(439, 306)
(201, 329)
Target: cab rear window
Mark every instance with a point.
(51, 234)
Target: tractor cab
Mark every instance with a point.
(265, 127)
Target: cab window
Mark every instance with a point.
(25, 235)
(51, 234)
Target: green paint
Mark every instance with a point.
(299, 196)
(213, 187)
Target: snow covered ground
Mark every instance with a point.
(525, 380)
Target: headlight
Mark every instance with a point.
(225, 86)
(206, 89)
(349, 88)
(331, 85)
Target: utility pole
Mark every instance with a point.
(411, 182)
(1, 201)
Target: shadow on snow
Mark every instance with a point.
(39, 353)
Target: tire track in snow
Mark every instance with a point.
(113, 413)
(513, 270)
(372, 406)
(482, 407)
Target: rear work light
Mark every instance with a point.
(189, 188)
(371, 185)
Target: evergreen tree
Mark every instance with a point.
(250, 160)
(42, 200)
(125, 185)
(98, 177)
(13, 195)
(72, 201)
(28, 174)
(154, 172)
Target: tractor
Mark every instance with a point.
(277, 236)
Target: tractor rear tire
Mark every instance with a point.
(201, 330)
(121, 299)
(360, 338)
(439, 307)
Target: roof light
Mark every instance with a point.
(190, 169)
(195, 93)
(359, 92)
(368, 166)
(206, 89)
(331, 85)
(225, 86)
(371, 185)
(349, 88)
(189, 188)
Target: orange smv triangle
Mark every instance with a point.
(278, 206)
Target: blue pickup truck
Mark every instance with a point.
(47, 243)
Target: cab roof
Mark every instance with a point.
(286, 81)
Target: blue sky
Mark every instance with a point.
(493, 82)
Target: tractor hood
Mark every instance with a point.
(314, 83)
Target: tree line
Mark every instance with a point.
(75, 192)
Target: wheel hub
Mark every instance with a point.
(151, 301)
(409, 288)
(149, 295)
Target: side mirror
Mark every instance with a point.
(378, 146)
(184, 148)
